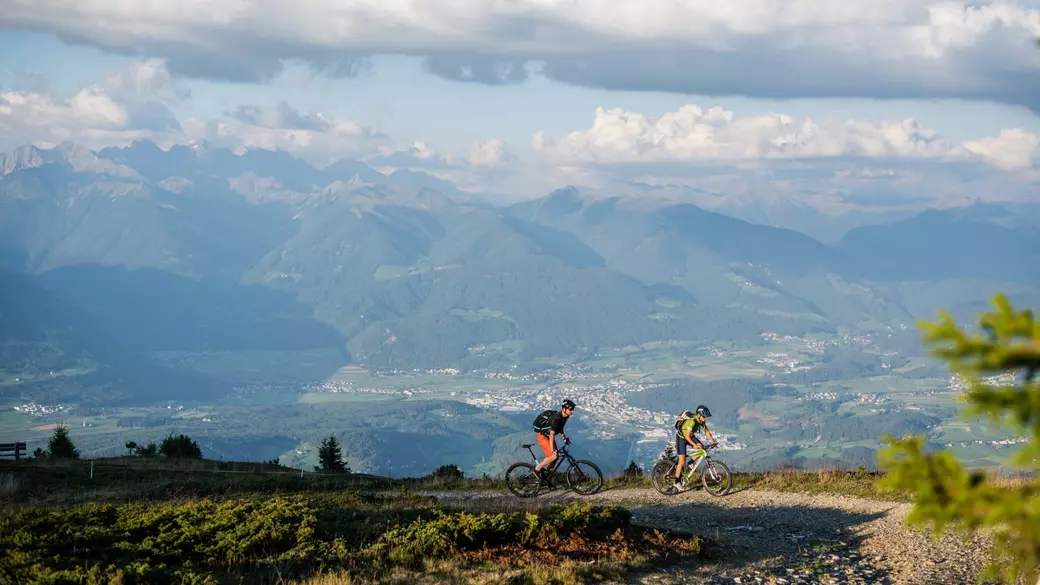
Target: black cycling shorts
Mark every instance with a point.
(681, 445)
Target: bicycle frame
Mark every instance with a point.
(561, 455)
(697, 456)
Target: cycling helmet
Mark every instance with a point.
(703, 410)
(568, 404)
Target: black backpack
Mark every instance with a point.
(541, 422)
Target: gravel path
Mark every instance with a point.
(788, 538)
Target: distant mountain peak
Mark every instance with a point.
(84, 160)
(23, 157)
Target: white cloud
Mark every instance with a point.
(1012, 149)
(125, 107)
(418, 156)
(692, 134)
(90, 117)
(147, 78)
(767, 48)
(489, 153)
(281, 116)
(336, 140)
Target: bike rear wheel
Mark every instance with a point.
(522, 480)
(663, 476)
(716, 478)
(584, 477)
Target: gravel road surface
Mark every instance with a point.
(789, 538)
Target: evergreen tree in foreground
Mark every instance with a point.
(60, 445)
(330, 457)
(945, 494)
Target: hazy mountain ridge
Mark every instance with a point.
(401, 274)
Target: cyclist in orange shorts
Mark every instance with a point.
(547, 425)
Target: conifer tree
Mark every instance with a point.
(946, 495)
(60, 445)
(330, 457)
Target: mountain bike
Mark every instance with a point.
(714, 474)
(522, 479)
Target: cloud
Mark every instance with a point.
(279, 128)
(129, 104)
(148, 79)
(419, 155)
(90, 117)
(981, 49)
(694, 135)
(489, 153)
(281, 116)
(1012, 149)
(477, 69)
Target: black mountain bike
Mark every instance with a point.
(714, 474)
(583, 476)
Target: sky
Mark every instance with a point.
(521, 96)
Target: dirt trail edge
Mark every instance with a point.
(782, 537)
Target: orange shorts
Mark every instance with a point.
(544, 443)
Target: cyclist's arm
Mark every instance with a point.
(552, 439)
(689, 437)
(707, 431)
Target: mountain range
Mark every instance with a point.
(121, 254)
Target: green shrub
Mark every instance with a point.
(158, 544)
(262, 540)
(448, 533)
(180, 447)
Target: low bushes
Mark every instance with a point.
(264, 540)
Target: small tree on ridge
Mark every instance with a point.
(60, 445)
(330, 457)
(180, 447)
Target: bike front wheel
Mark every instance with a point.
(663, 476)
(716, 478)
(584, 477)
(522, 480)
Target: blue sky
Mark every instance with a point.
(968, 73)
(399, 97)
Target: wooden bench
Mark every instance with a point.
(17, 449)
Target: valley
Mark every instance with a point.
(146, 291)
(768, 411)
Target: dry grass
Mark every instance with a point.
(9, 485)
(141, 479)
(860, 483)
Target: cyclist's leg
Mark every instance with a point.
(698, 446)
(547, 448)
(680, 449)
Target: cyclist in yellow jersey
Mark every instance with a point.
(694, 421)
